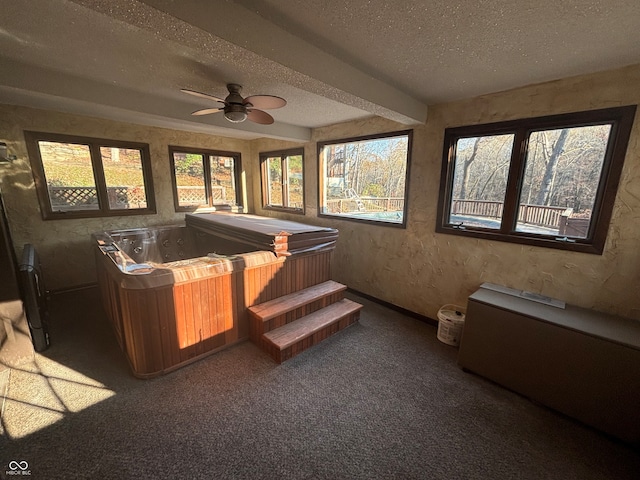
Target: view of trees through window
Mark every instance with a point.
(563, 169)
(560, 182)
(366, 178)
(480, 175)
(549, 181)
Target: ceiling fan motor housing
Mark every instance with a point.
(235, 91)
(234, 109)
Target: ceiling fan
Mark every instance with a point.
(237, 109)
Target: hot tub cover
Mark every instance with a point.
(283, 237)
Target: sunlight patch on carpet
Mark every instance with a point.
(44, 392)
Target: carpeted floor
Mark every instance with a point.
(383, 399)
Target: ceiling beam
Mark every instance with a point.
(30, 85)
(265, 48)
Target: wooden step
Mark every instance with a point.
(288, 340)
(287, 303)
(275, 313)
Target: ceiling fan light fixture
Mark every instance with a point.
(237, 109)
(235, 113)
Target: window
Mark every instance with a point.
(365, 178)
(204, 178)
(547, 181)
(79, 177)
(283, 180)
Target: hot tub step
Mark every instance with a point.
(275, 313)
(291, 339)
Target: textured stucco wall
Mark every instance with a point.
(421, 270)
(64, 245)
(609, 282)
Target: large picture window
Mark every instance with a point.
(365, 178)
(547, 181)
(204, 178)
(283, 180)
(78, 177)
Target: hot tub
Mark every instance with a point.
(177, 293)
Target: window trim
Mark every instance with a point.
(621, 120)
(237, 159)
(32, 138)
(399, 133)
(264, 186)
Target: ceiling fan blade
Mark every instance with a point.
(207, 111)
(265, 101)
(202, 95)
(258, 116)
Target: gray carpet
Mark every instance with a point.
(383, 399)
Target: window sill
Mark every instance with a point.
(295, 211)
(579, 245)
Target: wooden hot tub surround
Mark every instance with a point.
(168, 314)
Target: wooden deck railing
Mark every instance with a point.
(542, 215)
(371, 204)
(477, 208)
(545, 216)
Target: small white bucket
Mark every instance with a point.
(450, 324)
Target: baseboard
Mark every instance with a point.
(397, 308)
(84, 286)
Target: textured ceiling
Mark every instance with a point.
(333, 60)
